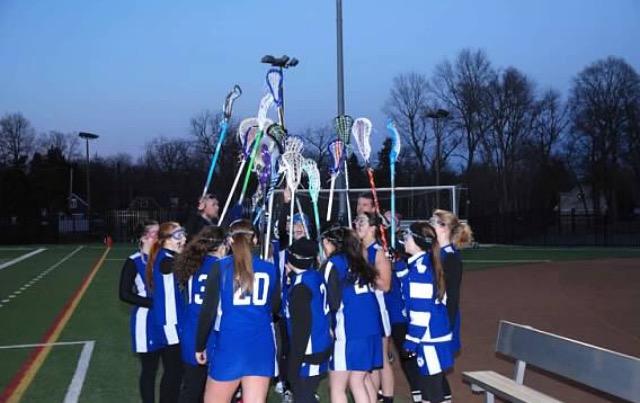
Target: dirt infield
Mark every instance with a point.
(593, 301)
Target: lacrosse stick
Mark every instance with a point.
(224, 125)
(275, 177)
(265, 104)
(336, 152)
(247, 132)
(342, 125)
(310, 168)
(362, 134)
(292, 164)
(393, 157)
(275, 80)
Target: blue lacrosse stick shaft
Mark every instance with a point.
(223, 132)
(393, 203)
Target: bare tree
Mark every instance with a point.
(168, 155)
(204, 130)
(511, 113)
(17, 139)
(67, 143)
(462, 87)
(316, 141)
(604, 101)
(406, 105)
(550, 123)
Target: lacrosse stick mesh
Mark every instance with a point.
(395, 141)
(277, 132)
(362, 135)
(336, 152)
(274, 84)
(293, 144)
(310, 168)
(227, 107)
(342, 125)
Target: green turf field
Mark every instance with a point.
(35, 290)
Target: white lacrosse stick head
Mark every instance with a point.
(292, 163)
(265, 104)
(361, 132)
(293, 144)
(274, 84)
(310, 168)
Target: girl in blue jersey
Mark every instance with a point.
(244, 351)
(357, 325)
(451, 234)
(308, 322)
(134, 290)
(429, 333)
(368, 227)
(192, 269)
(160, 280)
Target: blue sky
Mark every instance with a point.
(130, 70)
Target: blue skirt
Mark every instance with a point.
(238, 354)
(361, 354)
(434, 358)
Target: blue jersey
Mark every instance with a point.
(167, 300)
(429, 334)
(393, 298)
(372, 251)
(319, 340)
(145, 333)
(196, 288)
(245, 343)
(358, 315)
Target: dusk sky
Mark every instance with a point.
(130, 70)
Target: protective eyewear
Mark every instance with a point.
(408, 233)
(433, 221)
(179, 233)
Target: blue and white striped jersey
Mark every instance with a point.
(168, 303)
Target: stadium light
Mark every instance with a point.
(437, 115)
(88, 136)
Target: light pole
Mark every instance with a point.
(283, 62)
(437, 116)
(87, 137)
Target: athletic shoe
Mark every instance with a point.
(279, 389)
(287, 397)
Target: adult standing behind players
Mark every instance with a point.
(208, 207)
(166, 304)
(192, 268)
(146, 339)
(244, 351)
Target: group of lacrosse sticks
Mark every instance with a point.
(274, 156)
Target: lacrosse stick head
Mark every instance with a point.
(310, 168)
(336, 152)
(395, 141)
(269, 148)
(292, 164)
(265, 104)
(342, 125)
(361, 132)
(277, 132)
(293, 144)
(228, 102)
(274, 84)
(247, 133)
(264, 171)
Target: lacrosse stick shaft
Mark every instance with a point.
(316, 216)
(267, 242)
(331, 187)
(346, 183)
(304, 224)
(212, 167)
(247, 175)
(377, 207)
(232, 191)
(393, 204)
(293, 197)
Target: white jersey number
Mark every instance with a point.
(323, 291)
(197, 297)
(260, 291)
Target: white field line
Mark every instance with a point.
(8, 248)
(20, 258)
(508, 261)
(73, 393)
(34, 280)
(59, 343)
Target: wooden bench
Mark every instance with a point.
(605, 370)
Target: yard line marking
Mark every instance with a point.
(73, 393)
(59, 343)
(19, 258)
(47, 271)
(508, 261)
(21, 381)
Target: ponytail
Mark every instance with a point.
(426, 239)
(241, 233)
(164, 233)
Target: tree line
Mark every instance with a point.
(513, 144)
